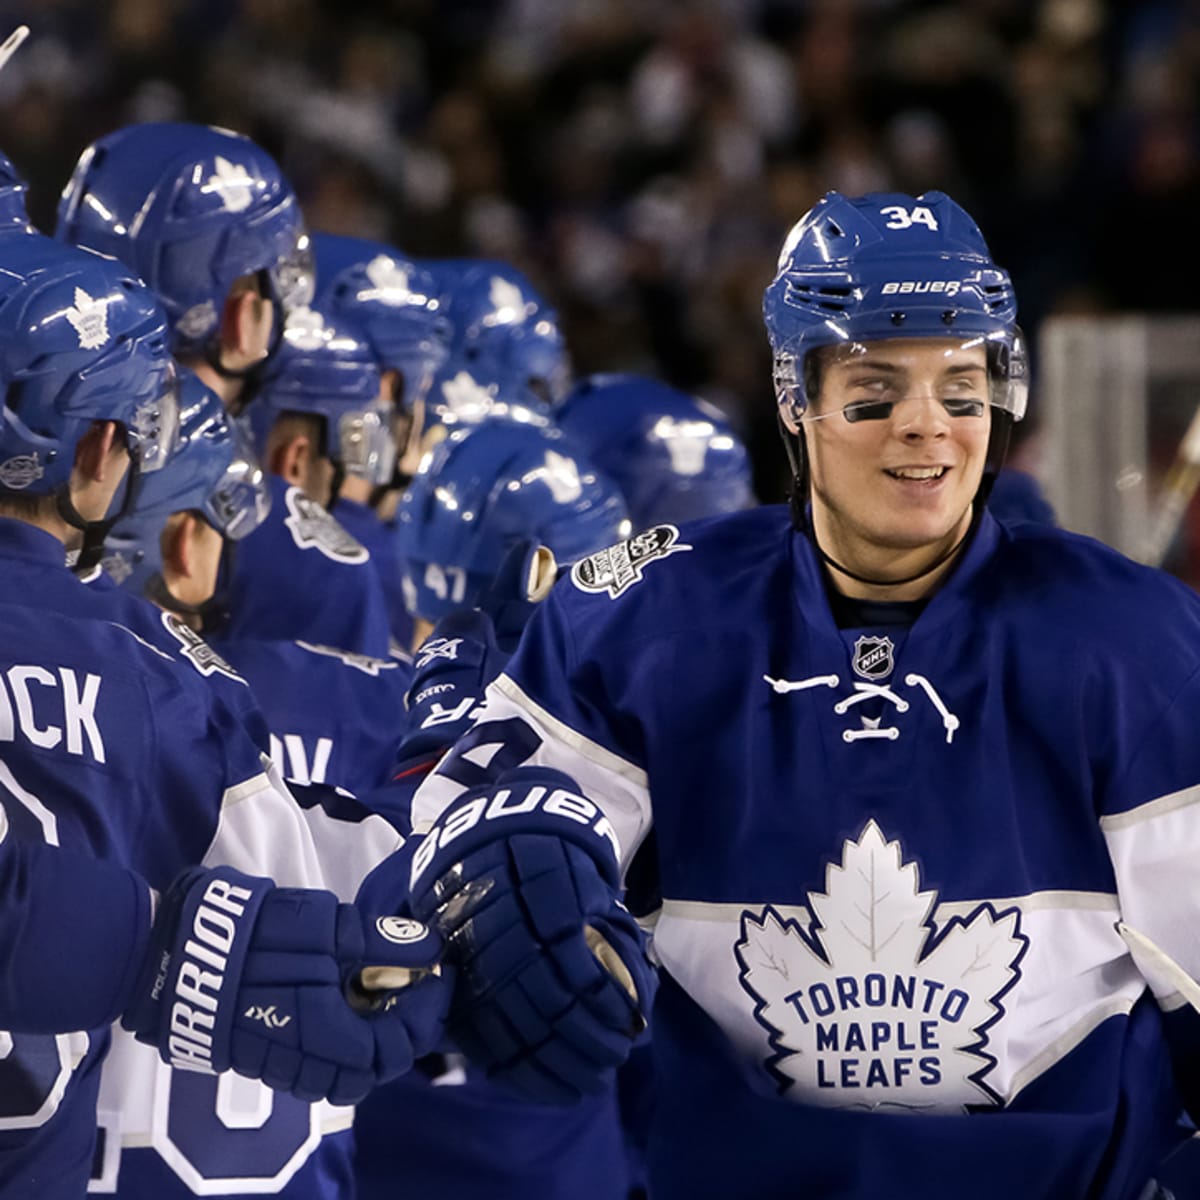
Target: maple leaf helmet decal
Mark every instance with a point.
(191, 209)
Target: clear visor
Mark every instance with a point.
(154, 435)
(241, 500)
(864, 381)
(367, 444)
(294, 276)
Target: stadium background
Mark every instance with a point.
(642, 159)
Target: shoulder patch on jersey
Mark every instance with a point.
(617, 568)
(871, 1001)
(196, 650)
(360, 662)
(313, 528)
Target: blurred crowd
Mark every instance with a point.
(641, 159)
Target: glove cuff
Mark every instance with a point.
(188, 990)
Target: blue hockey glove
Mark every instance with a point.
(286, 985)
(521, 878)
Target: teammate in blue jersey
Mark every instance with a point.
(910, 794)
(483, 490)
(393, 300)
(474, 530)
(674, 456)
(117, 750)
(322, 414)
(209, 222)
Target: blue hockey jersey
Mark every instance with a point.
(119, 746)
(363, 524)
(301, 575)
(334, 717)
(924, 898)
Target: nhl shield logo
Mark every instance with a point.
(874, 657)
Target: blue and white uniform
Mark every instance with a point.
(923, 897)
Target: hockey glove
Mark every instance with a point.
(286, 985)
(521, 878)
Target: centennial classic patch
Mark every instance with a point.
(619, 567)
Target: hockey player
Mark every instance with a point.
(323, 414)
(674, 456)
(209, 222)
(116, 750)
(911, 794)
(485, 488)
(393, 300)
(470, 526)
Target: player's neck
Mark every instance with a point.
(227, 388)
(865, 571)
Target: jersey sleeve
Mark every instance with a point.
(554, 706)
(73, 932)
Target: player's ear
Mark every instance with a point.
(96, 449)
(242, 320)
(290, 459)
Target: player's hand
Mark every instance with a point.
(270, 982)
(521, 879)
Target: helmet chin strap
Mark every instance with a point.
(94, 532)
(211, 613)
(933, 566)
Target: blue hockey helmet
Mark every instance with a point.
(191, 208)
(212, 471)
(13, 216)
(502, 326)
(674, 457)
(393, 299)
(325, 367)
(81, 340)
(486, 488)
(888, 265)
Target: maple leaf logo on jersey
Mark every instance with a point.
(89, 319)
(874, 1003)
(465, 397)
(508, 305)
(233, 183)
(389, 281)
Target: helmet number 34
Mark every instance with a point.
(900, 217)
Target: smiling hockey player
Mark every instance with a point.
(912, 795)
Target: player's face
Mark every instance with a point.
(896, 447)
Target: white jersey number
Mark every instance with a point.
(901, 218)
